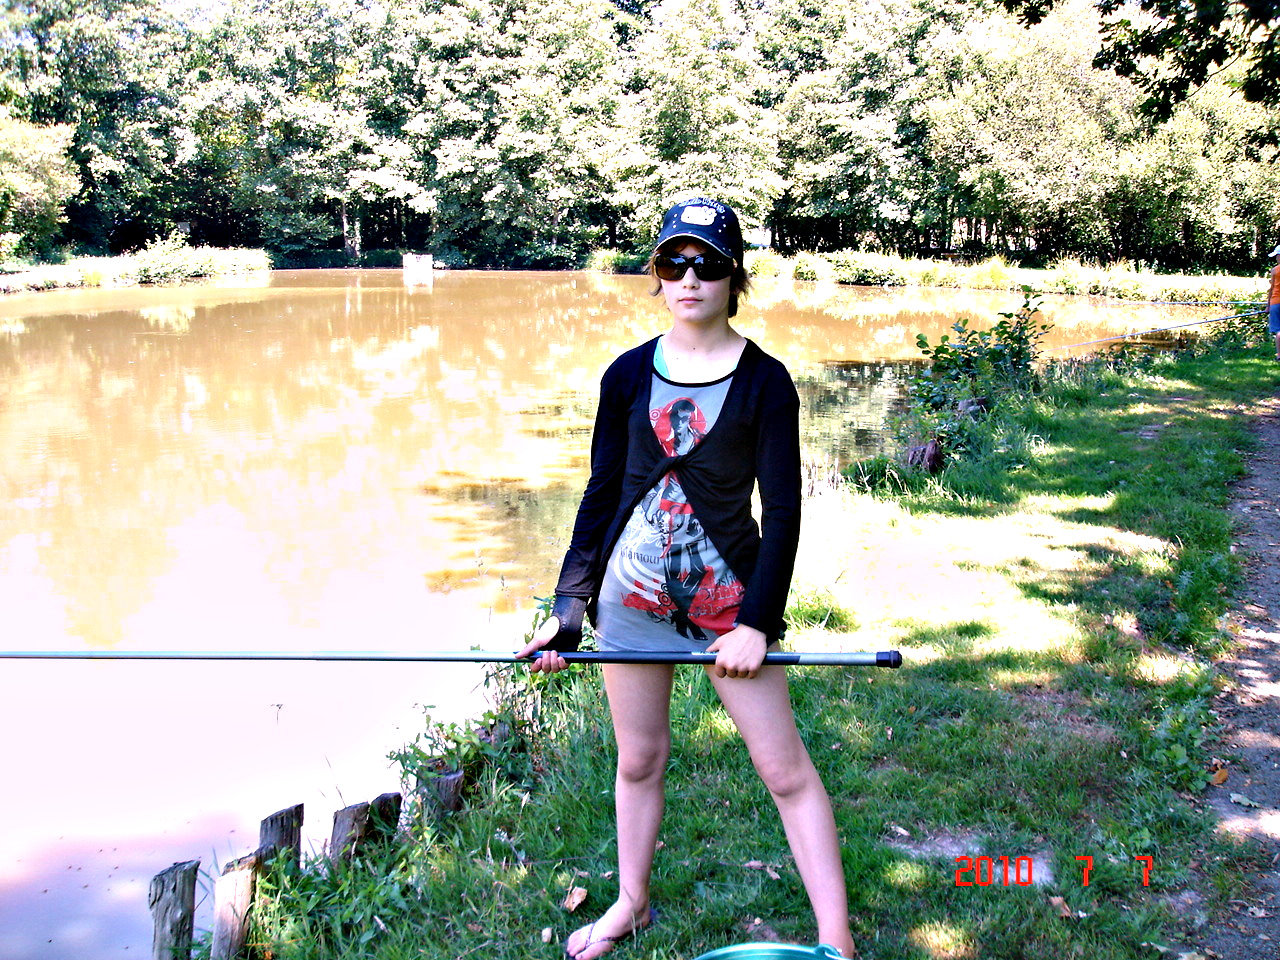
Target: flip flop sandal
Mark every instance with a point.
(593, 940)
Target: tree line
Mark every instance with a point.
(529, 133)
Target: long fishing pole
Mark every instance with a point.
(882, 658)
(1204, 303)
(1178, 326)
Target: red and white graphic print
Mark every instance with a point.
(671, 570)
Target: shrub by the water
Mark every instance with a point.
(868, 269)
(766, 263)
(170, 260)
(811, 266)
(982, 363)
(616, 261)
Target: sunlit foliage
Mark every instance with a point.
(524, 133)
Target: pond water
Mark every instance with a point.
(326, 460)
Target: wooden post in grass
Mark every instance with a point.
(232, 900)
(350, 827)
(278, 835)
(281, 832)
(172, 899)
(384, 815)
(441, 792)
(363, 822)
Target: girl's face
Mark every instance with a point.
(695, 301)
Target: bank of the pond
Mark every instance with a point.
(1122, 281)
(172, 261)
(165, 261)
(1055, 715)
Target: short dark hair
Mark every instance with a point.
(739, 281)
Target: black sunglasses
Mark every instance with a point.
(708, 268)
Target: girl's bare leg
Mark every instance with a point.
(761, 709)
(640, 704)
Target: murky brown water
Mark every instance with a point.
(322, 460)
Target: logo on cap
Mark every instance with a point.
(699, 216)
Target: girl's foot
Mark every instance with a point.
(848, 952)
(618, 923)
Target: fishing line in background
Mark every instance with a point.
(1177, 326)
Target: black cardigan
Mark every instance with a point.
(755, 437)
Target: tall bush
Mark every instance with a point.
(982, 363)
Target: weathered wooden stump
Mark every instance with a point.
(350, 828)
(384, 815)
(172, 896)
(497, 734)
(441, 792)
(172, 899)
(928, 457)
(232, 900)
(363, 823)
(280, 833)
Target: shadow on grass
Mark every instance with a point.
(1010, 751)
(1154, 457)
(1135, 435)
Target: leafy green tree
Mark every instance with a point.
(852, 143)
(37, 178)
(841, 143)
(103, 67)
(795, 39)
(1195, 191)
(1026, 135)
(690, 122)
(1172, 47)
(275, 120)
(505, 110)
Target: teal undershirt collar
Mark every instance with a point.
(660, 361)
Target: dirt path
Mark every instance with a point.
(1251, 710)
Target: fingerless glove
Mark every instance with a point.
(569, 611)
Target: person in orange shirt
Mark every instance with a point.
(1273, 301)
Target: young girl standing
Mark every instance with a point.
(666, 555)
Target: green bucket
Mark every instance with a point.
(773, 951)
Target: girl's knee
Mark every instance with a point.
(786, 777)
(643, 765)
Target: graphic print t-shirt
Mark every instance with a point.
(666, 586)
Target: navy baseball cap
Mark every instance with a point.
(710, 221)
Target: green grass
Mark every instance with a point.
(1152, 453)
(941, 748)
(1058, 703)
